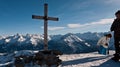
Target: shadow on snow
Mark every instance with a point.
(108, 63)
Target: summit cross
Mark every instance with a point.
(45, 18)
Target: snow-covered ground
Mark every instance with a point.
(89, 60)
(70, 60)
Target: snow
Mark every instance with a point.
(77, 42)
(87, 44)
(89, 60)
(72, 38)
(21, 39)
(24, 53)
(92, 59)
(7, 40)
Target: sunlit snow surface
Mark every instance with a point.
(89, 60)
(69, 60)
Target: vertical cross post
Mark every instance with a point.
(45, 18)
(45, 27)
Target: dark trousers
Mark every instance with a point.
(117, 45)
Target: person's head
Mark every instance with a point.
(117, 14)
(108, 35)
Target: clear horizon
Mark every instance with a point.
(75, 16)
(52, 34)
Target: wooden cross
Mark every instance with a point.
(45, 18)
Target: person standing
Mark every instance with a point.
(116, 28)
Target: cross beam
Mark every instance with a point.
(45, 18)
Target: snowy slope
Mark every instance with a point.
(69, 60)
(75, 42)
(69, 43)
(89, 60)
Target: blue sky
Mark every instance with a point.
(75, 16)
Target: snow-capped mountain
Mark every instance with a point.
(19, 39)
(68, 43)
(89, 35)
(20, 42)
(17, 45)
(76, 43)
(91, 38)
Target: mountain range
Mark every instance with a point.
(68, 43)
